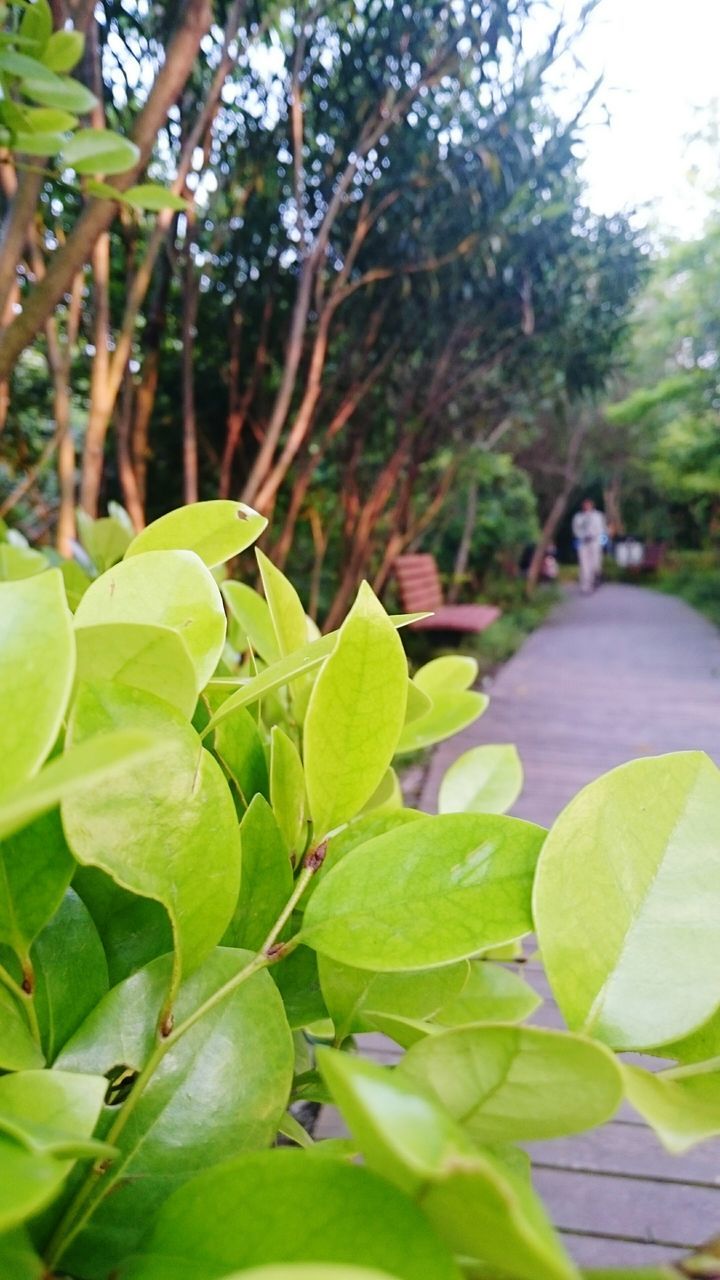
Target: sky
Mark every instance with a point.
(661, 65)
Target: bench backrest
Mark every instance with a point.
(419, 583)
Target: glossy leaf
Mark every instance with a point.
(222, 1088)
(452, 672)
(105, 540)
(355, 715)
(510, 1084)
(627, 899)
(682, 1106)
(298, 981)
(133, 930)
(267, 879)
(46, 1119)
(450, 712)
(252, 615)
(169, 833)
(36, 867)
(168, 589)
(287, 792)
(426, 894)
(144, 657)
(361, 832)
(92, 765)
(18, 1050)
(34, 624)
(350, 993)
(293, 1208)
(216, 531)
(63, 50)
(20, 562)
(478, 1205)
(100, 151)
(286, 611)
(238, 745)
(71, 974)
(698, 1046)
(486, 779)
(491, 994)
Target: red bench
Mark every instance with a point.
(420, 591)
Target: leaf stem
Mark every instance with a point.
(26, 1002)
(83, 1206)
(9, 982)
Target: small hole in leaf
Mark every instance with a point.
(120, 1082)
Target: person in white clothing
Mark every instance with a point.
(588, 528)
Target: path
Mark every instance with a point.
(627, 672)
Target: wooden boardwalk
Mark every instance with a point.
(624, 673)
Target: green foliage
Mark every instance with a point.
(194, 892)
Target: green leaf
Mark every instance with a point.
(287, 792)
(310, 1271)
(298, 982)
(682, 1106)
(18, 1050)
(92, 765)
(20, 562)
(388, 797)
(34, 688)
(508, 1084)
(169, 833)
(133, 930)
(100, 151)
(76, 582)
(36, 867)
(698, 1046)
(482, 1209)
(360, 832)
(58, 91)
(222, 1088)
(239, 747)
(146, 657)
(153, 197)
(451, 673)
(286, 611)
(252, 615)
(351, 993)
(105, 540)
(18, 1259)
(418, 703)
(294, 1208)
(47, 1112)
(25, 68)
(491, 994)
(167, 588)
(63, 50)
(38, 144)
(37, 24)
(623, 963)
(71, 973)
(48, 120)
(426, 894)
(355, 715)
(215, 531)
(486, 779)
(267, 879)
(450, 713)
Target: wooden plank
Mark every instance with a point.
(630, 1151)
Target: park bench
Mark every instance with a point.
(420, 591)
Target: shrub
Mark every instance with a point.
(230, 891)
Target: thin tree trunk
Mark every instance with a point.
(239, 405)
(19, 216)
(146, 390)
(99, 413)
(463, 552)
(547, 534)
(320, 537)
(189, 419)
(126, 472)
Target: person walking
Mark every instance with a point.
(588, 528)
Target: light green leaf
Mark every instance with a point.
(682, 1106)
(71, 974)
(267, 879)
(388, 797)
(451, 673)
(404, 1031)
(699, 1046)
(486, 779)
(287, 792)
(286, 611)
(169, 833)
(624, 963)
(351, 993)
(360, 832)
(153, 197)
(18, 1050)
(36, 867)
(310, 1271)
(252, 615)
(215, 531)
(51, 1116)
(100, 151)
(92, 765)
(48, 120)
(39, 144)
(294, 1208)
(428, 893)
(20, 562)
(418, 703)
(18, 1259)
(450, 712)
(491, 994)
(298, 982)
(25, 67)
(508, 1084)
(76, 582)
(482, 1209)
(355, 715)
(152, 658)
(239, 747)
(37, 664)
(63, 50)
(166, 588)
(222, 1089)
(105, 540)
(59, 91)
(37, 24)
